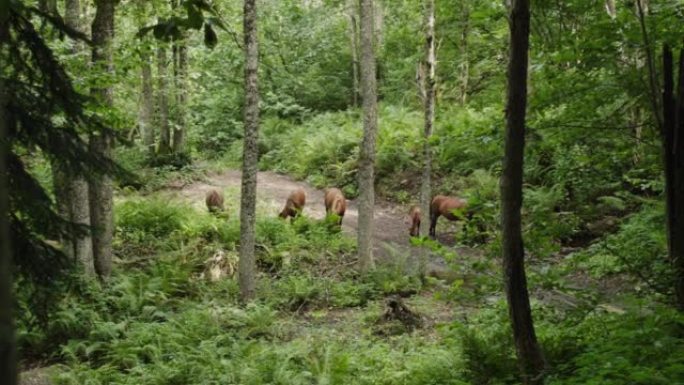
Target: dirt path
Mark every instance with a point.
(390, 226)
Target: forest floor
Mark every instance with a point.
(390, 230)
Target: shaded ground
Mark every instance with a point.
(390, 224)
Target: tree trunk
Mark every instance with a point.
(378, 23)
(8, 347)
(76, 187)
(180, 76)
(59, 186)
(673, 157)
(353, 36)
(48, 6)
(677, 247)
(147, 102)
(530, 358)
(610, 8)
(642, 11)
(163, 101)
(465, 62)
(250, 155)
(429, 105)
(370, 128)
(101, 189)
(60, 180)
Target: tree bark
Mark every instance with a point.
(147, 102)
(48, 6)
(76, 187)
(8, 347)
(610, 8)
(370, 128)
(677, 247)
(429, 109)
(101, 188)
(250, 155)
(673, 157)
(60, 180)
(353, 36)
(530, 358)
(465, 62)
(163, 101)
(180, 76)
(642, 10)
(379, 23)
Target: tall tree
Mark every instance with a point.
(34, 88)
(146, 112)
(80, 245)
(250, 154)
(370, 127)
(354, 40)
(530, 357)
(8, 353)
(163, 100)
(180, 70)
(673, 157)
(101, 188)
(428, 95)
(180, 64)
(463, 51)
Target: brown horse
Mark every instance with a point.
(295, 204)
(414, 217)
(335, 203)
(214, 201)
(444, 206)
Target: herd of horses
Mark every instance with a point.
(336, 203)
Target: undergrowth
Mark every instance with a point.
(159, 320)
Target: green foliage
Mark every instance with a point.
(640, 347)
(156, 218)
(637, 248)
(155, 173)
(487, 348)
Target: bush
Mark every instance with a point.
(638, 248)
(641, 346)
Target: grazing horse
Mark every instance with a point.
(335, 203)
(444, 206)
(214, 201)
(295, 204)
(414, 217)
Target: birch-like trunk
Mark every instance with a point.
(370, 128)
(354, 40)
(465, 60)
(429, 109)
(530, 357)
(181, 92)
(147, 102)
(163, 101)
(247, 266)
(101, 192)
(76, 186)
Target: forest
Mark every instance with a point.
(386, 192)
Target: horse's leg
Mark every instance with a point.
(433, 223)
